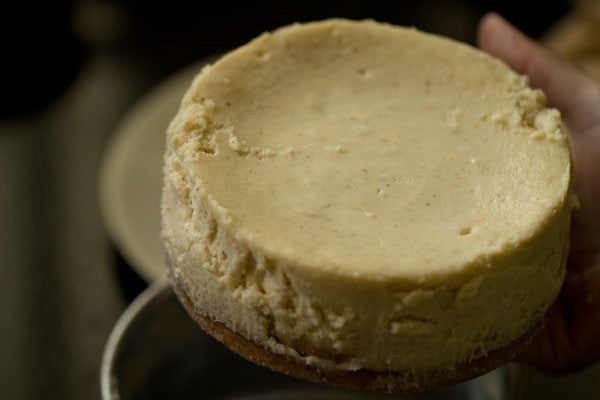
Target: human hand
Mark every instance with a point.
(570, 339)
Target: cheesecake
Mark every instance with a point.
(366, 205)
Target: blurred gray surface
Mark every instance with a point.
(187, 364)
(59, 295)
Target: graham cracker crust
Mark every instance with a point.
(362, 379)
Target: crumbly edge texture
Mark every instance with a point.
(362, 379)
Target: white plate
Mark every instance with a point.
(131, 175)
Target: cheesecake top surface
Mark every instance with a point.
(364, 150)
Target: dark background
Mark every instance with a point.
(48, 43)
(68, 73)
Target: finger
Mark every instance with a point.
(576, 95)
(552, 350)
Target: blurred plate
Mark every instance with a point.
(131, 174)
(156, 351)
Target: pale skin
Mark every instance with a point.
(571, 338)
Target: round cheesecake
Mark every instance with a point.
(366, 205)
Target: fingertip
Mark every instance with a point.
(489, 19)
(482, 31)
(501, 39)
(492, 27)
(493, 17)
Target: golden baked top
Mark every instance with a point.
(369, 151)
